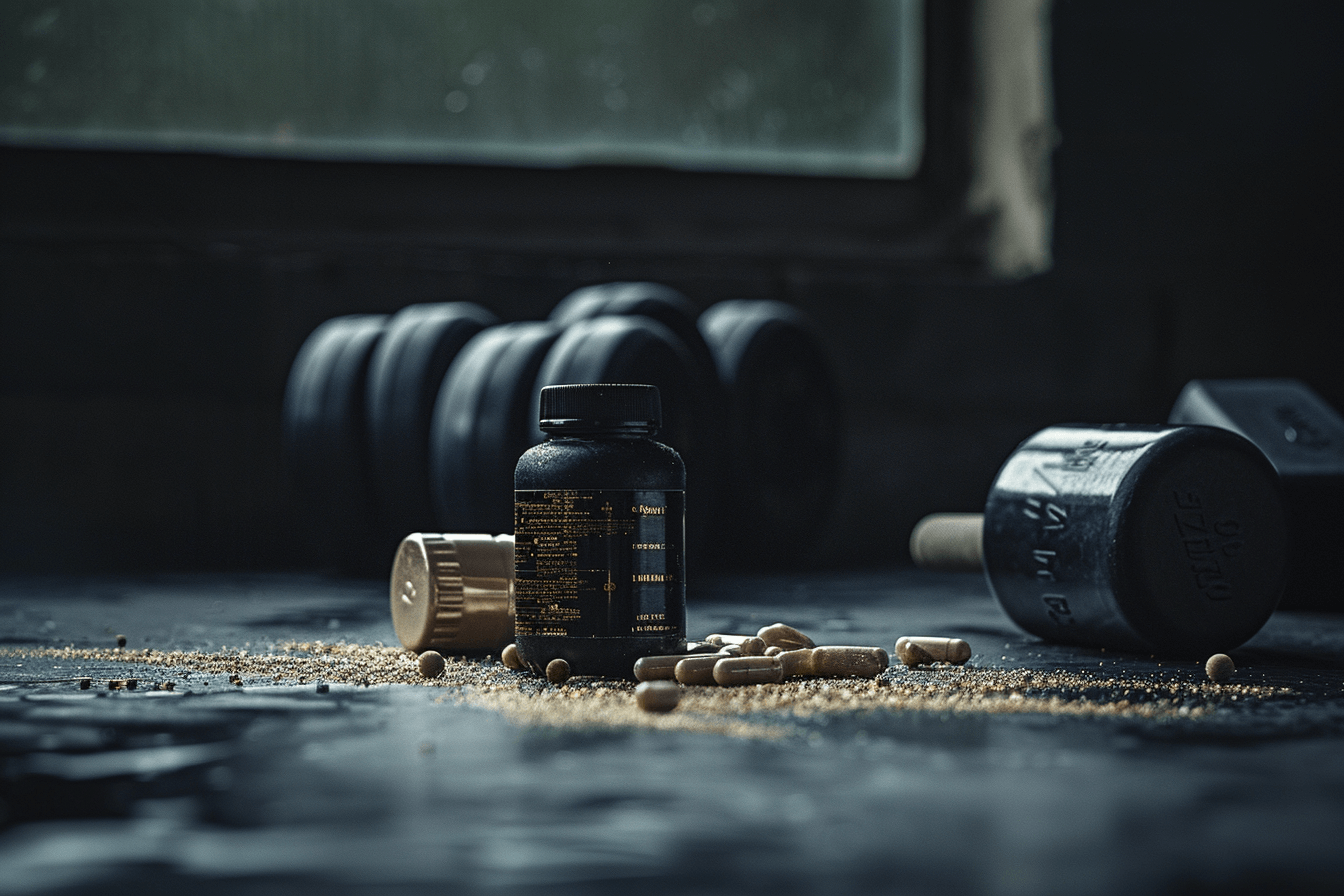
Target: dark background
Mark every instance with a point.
(144, 345)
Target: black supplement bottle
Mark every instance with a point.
(599, 533)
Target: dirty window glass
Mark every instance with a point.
(784, 86)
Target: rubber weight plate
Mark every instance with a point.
(324, 432)
(623, 349)
(662, 303)
(784, 424)
(483, 421)
(405, 375)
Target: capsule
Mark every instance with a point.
(773, 650)
(510, 657)
(658, 696)
(796, 663)
(657, 668)
(925, 651)
(785, 637)
(749, 670)
(557, 671)
(753, 647)
(730, 650)
(697, 669)
(849, 662)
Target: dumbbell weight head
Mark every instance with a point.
(785, 423)
(406, 371)
(1145, 538)
(1303, 437)
(325, 438)
(483, 422)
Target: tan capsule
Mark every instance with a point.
(509, 656)
(849, 662)
(1220, 667)
(785, 637)
(773, 650)
(658, 696)
(697, 669)
(753, 647)
(557, 671)
(796, 663)
(730, 650)
(726, 639)
(739, 670)
(924, 651)
(657, 668)
(431, 664)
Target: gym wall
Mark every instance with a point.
(141, 375)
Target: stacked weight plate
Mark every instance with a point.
(414, 421)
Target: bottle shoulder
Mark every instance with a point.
(600, 463)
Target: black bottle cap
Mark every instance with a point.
(602, 407)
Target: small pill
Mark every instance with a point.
(925, 651)
(785, 637)
(658, 696)
(849, 662)
(730, 650)
(773, 650)
(85, 684)
(509, 657)
(115, 684)
(169, 686)
(796, 663)
(657, 668)
(323, 687)
(753, 647)
(697, 669)
(121, 640)
(1220, 667)
(742, 670)
(130, 684)
(557, 671)
(431, 664)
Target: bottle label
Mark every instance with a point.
(599, 563)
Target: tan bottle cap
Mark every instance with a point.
(453, 593)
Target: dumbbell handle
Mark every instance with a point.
(949, 542)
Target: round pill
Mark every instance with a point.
(121, 640)
(431, 664)
(557, 671)
(510, 657)
(1220, 667)
(658, 696)
(85, 684)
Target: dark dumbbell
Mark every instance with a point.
(1152, 539)
(325, 436)
(406, 372)
(1303, 437)
(483, 422)
(784, 426)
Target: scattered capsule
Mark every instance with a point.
(785, 637)
(697, 669)
(557, 671)
(701, 647)
(796, 663)
(730, 650)
(773, 650)
(753, 647)
(741, 670)
(658, 696)
(657, 668)
(509, 657)
(1220, 667)
(926, 651)
(721, 640)
(849, 662)
(431, 664)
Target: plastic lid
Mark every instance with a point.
(453, 593)
(602, 407)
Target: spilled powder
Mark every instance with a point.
(755, 711)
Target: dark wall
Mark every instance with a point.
(1197, 192)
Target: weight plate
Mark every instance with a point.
(662, 303)
(405, 375)
(784, 424)
(631, 349)
(324, 433)
(483, 421)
